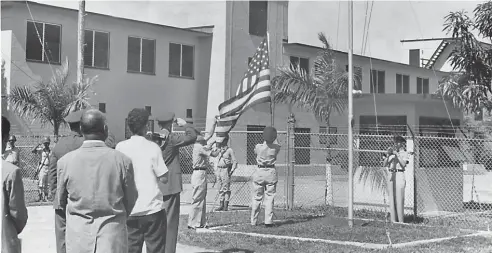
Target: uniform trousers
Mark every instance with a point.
(224, 181)
(396, 193)
(172, 204)
(149, 228)
(264, 185)
(60, 227)
(198, 199)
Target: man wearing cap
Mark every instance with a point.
(265, 178)
(171, 190)
(43, 149)
(11, 154)
(226, 165)
(201, 153)
(64, 145)
(396, 161)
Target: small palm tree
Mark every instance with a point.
(323, 91)
(50, 102)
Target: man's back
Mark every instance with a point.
(14, 211)
(96, 185)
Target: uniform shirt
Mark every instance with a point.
(226, 158)
(266, 154)
(14, 211)
(403, 156)
(45, 157)
(148, 166)
(200, 156)
(11, 155)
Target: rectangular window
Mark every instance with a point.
(422, 85)
(102, 107)
(251, 140)
(402, 84)
(357, 76)
(148, 109)
(303, 63)
(96, 51)
(323, 137)
(377, 81)
(258, 18)
(181, 60)
(141, 55)
(302, 142)
(189, 113)
(43, 42)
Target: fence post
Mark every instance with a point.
(329, 185)
(290, 161)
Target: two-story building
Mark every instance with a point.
(193, 68)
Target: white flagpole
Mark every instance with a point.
(272, 103)
(350, 116)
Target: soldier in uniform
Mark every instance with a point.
(11, 154)
(44, 150)
(64, 145)
(265, 178)
(226, 165)
(396, 161)
(201, 153)
(170, 144)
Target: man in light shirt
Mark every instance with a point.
(11, 154)
(265, 178)
(147, 221)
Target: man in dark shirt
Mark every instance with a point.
(170, 144)
(63, 146)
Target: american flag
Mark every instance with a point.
(253, 89)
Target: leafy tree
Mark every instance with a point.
(50, 102)
(471, 85)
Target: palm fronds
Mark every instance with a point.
(375, 176)
(50, 102)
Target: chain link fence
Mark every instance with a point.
(448, 180)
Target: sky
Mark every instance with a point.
(390, 22)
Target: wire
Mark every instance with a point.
(368, 24)
(338, 22)
(364, 30)
(13, 63)
(40, 40)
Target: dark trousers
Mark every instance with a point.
(172, 204)
(60, 225)
(149, 228)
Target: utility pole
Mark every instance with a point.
(81, 41)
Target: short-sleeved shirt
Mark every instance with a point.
(45, 157)
(266, 154)
(11, 155)
(403, 156)
(148, 166)
(200, 156)
(226, 158)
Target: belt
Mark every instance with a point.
(266, 166)
(223, 167)
(391, 170)
(199, 168)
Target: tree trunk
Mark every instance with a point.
(329, 173)
(56, 129)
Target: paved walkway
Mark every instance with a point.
(39, 234)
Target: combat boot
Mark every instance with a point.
(221, 208)
(226, 206)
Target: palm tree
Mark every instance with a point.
(50, 102)
(323, 91)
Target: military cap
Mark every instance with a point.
(269, 134)
(46, 140)
(399, 139)
(166, 117)
(12, 138)
(74, 117)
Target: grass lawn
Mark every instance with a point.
(323, 223)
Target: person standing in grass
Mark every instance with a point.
(265, 178)
(396, 162)
(201, 153)
(226, 165)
